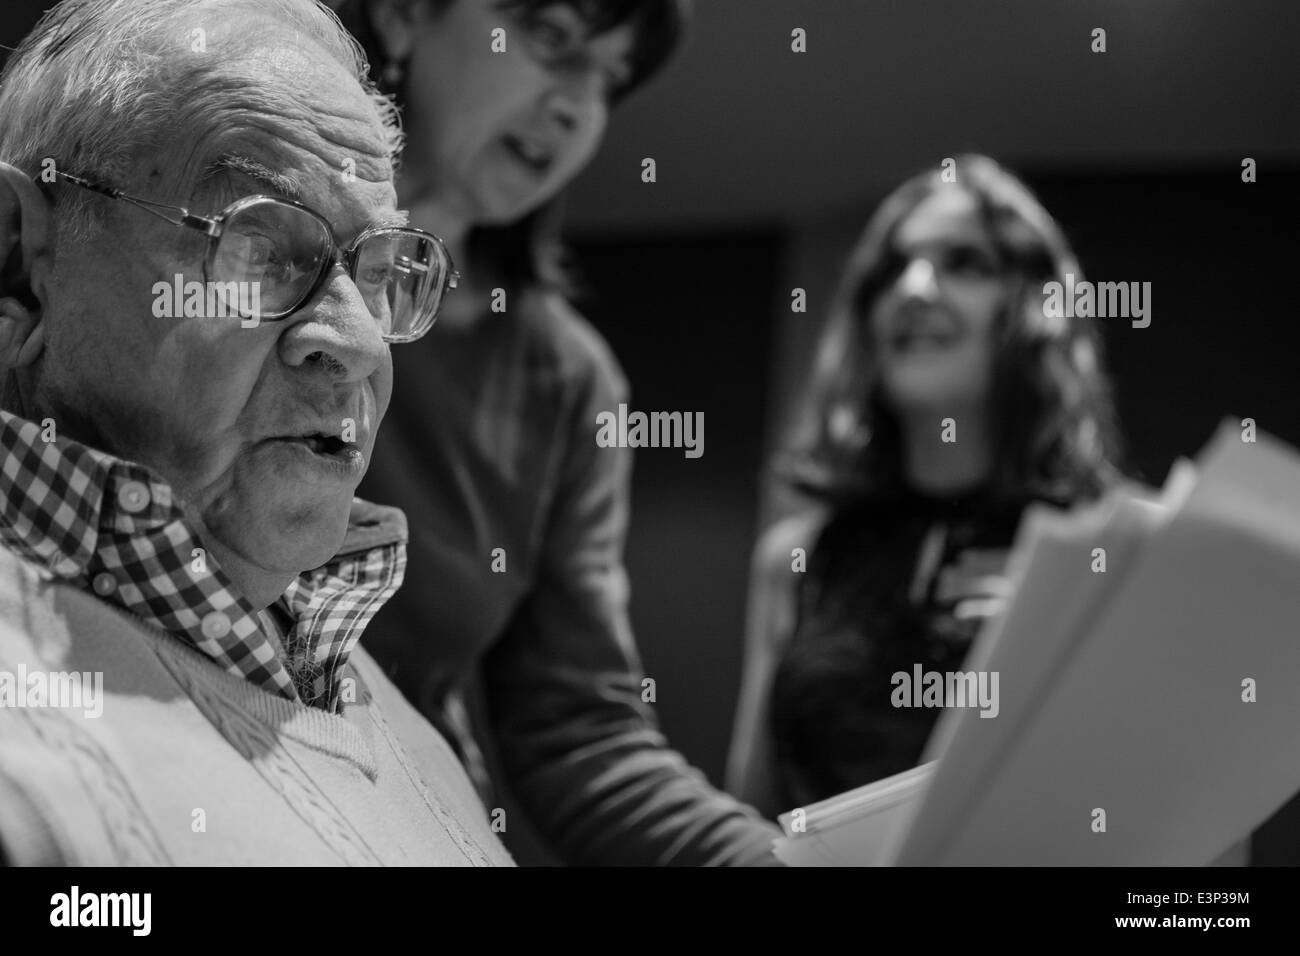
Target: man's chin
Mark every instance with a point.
(291, 540)
(316, 542)
(315, 555)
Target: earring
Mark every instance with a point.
(392, 74)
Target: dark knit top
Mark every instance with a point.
(900, 580)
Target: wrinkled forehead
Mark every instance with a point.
(290, 108)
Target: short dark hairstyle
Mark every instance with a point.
(528, 252)
(1055, 430)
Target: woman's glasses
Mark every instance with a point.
(288, 250)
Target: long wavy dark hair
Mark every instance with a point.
(1055, 434)
(528, 253)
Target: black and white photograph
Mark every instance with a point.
(594, 434)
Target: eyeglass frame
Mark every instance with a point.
(212, 227)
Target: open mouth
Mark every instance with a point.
(923, 338)
(536, 157)
(329, 446)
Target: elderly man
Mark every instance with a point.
(203, 268)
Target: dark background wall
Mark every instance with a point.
(691, 321)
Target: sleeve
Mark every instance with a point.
(580, 749)
(769, 622)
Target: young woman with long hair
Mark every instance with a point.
(944, 400)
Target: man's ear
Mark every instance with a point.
(25, 220)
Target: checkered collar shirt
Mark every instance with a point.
(115, 529)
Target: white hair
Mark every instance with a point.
(99, 83)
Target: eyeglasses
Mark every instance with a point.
(288, 250)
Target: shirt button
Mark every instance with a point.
(104, 584)
(133, 496)
(215, 625)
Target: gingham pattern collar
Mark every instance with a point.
(114, 529)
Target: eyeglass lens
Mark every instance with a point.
(400, 274)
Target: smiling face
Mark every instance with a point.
(497, 134)
(219, 410)
(932, 325)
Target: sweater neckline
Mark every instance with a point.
(338, 735)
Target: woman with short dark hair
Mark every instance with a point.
(517, 518)
(945, 399)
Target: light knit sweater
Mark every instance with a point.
(189, 764)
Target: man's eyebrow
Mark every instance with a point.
(276, 182)
(286, 186)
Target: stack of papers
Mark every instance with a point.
(856, 826)
(1148, 713)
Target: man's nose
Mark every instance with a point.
(338, 337)
(919, 280)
